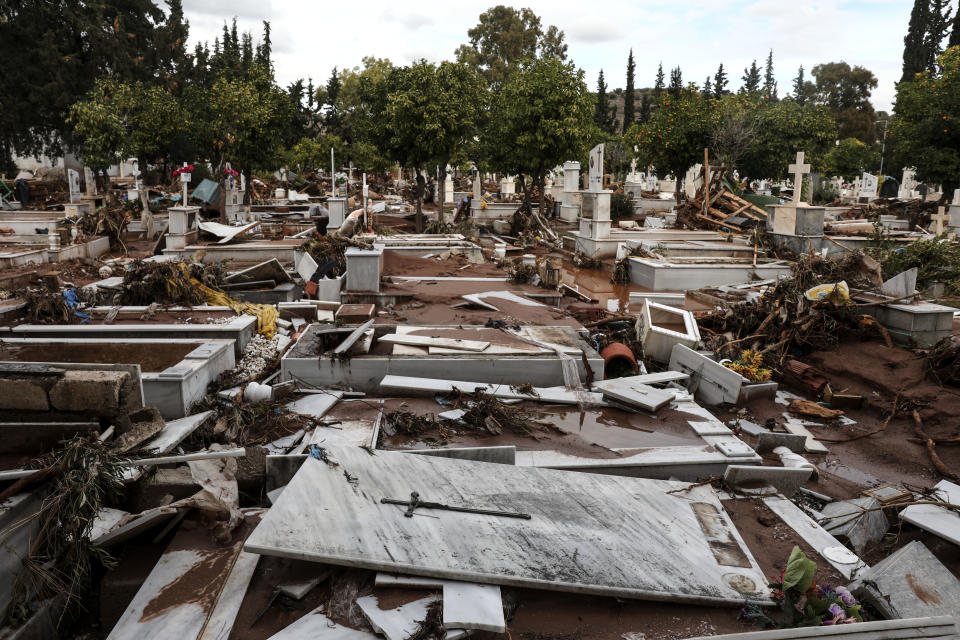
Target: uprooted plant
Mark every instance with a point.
(784, 320)
(83, 477)
(801, 602)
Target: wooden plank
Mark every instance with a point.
(588, 532)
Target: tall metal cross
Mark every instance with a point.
(798, 170)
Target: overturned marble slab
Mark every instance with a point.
(315, 625)
(858, 521)
(937, 520)
(588, 533)
(401, 622)
(109, 529)
(939, 628)
(315, 405)
(175, 432)
(466, 605)
(909, 583)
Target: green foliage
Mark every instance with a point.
(769, 81)
(118, 119)
(503, 38)
(799, 571)
(846, 90)
(53, 51)
(604, 116)
(313, 153)
(936, 260)
(925, 129)
(803, 603)
(751, 79)
(783, 129)
(242, 121)
(621, 206)
(421, 115)
(629, 97)
(676, 134)
(720, 82)
(349, 101)
(540, 117)
(914, 44)
(850, 159)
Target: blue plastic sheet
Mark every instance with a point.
(71, 297)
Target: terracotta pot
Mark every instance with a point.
(618, 355)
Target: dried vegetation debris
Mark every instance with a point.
(167, 283)
(783, 321)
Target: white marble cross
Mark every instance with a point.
(798, 170)
(184, 181)
(940, 218)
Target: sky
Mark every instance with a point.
(310, 37)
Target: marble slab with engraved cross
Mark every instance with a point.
(798, 169)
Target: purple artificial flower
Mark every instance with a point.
(846, 597)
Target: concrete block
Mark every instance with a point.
(23, 395)
(93, 391)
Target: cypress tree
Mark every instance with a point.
(955, 34)
(914, 55)
(659, 85)
(676, 82)
(769, 82)
(751, 78)
(629, 116)
(799, 94)
(602, 115)
(708, 87)
(720, 82)
(644, 109)
(938, 25)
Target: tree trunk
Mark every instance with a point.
(420, 184)
(526, 192)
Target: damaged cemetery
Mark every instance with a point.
(413, 375)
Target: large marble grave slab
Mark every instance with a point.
(587, 533)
